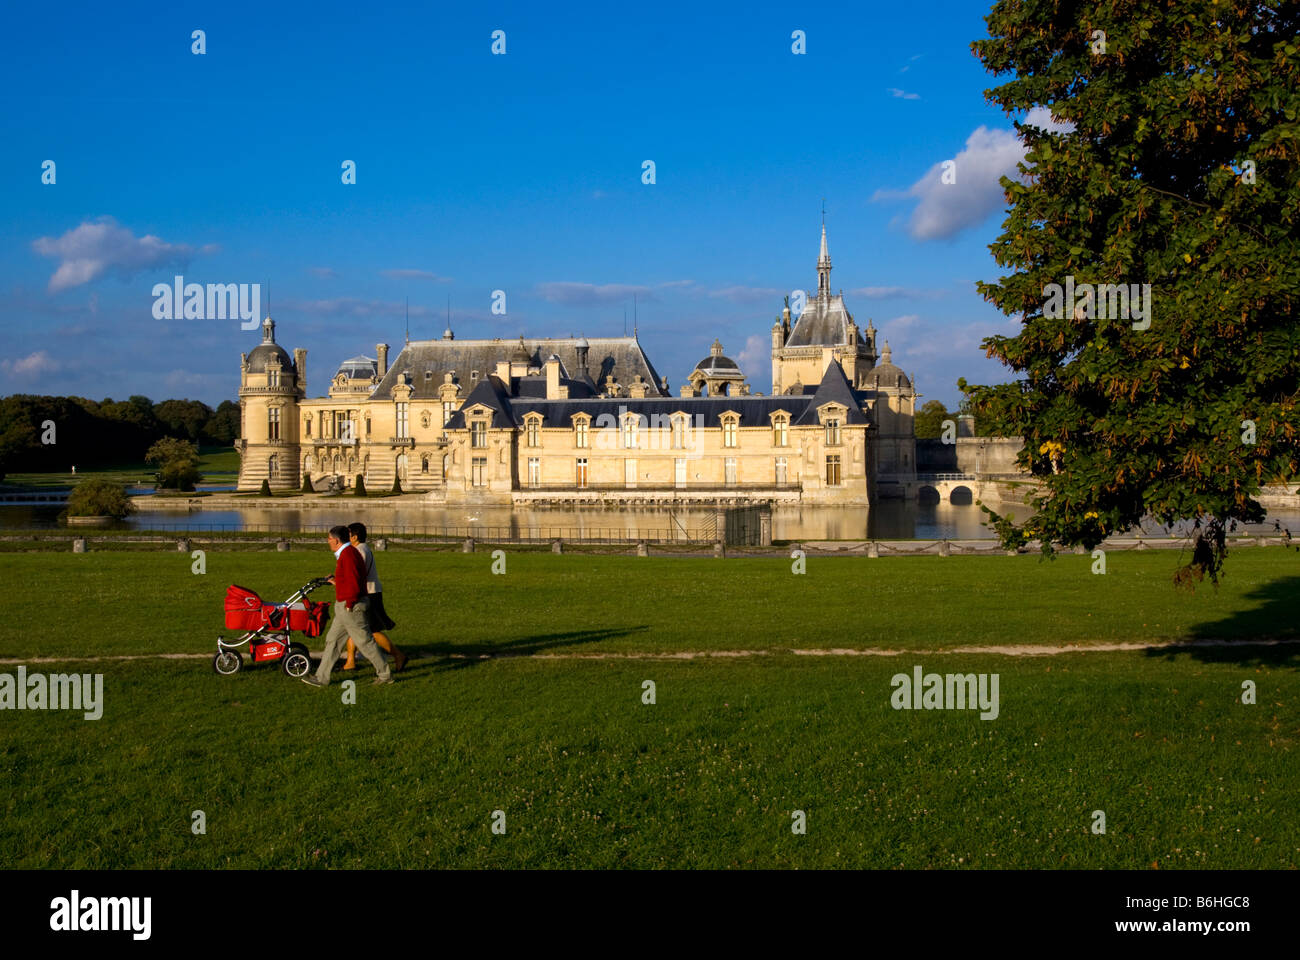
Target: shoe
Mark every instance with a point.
(346, 667)
(399, 661)
(311, 681)
(378, 680)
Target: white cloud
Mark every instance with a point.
(325, 273)
(415, 275)
(352, 307)
(756, 357)
(903, 94)
(589, 294)
(945, 209)
(743, 294)
(1042, 118)
(896, 293)
(87, 252)
(32, 365)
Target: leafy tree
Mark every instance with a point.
(265, 489)
(96, 497)
(929, 420)
(1180, 172)
(397, 484)
(222, 427)
(183, 418)
(360, 489)
(178, 462)
(306, 483)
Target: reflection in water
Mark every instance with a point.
(887, 520)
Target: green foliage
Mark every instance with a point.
(265, 489)
(306, 484)
(99, 498)
(183, 418)
(929, 420)
(397, 485)
(360, 489)
(223, 427)
(97, 434)
(1151, 187)
(178, 462)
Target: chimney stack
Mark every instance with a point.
(381, 351)
(300, 367)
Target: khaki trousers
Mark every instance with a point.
(355, 624)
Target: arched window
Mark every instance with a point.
(273, 466)
(401, 466)
(306, 463)
(424, 464)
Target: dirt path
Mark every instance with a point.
(1011, 650)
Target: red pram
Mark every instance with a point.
(267, 628)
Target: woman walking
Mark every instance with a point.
(379, 620)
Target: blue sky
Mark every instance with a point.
(477, 172)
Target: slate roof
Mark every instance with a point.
(834, 388)
(261, 355)
(620, 356)
(822, 323)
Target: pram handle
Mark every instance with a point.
(314, 584)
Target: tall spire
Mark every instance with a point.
(824, 268)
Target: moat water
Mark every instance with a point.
(886, 520)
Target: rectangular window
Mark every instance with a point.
(729, 433)
(730, 469)
(273, 378)
(307, 425)
(478, 434)
(781, 429)
(780, 470)
(478, 468)
(403, 423)
(534, 471)
(273, 424)
(367, 426)
(833, 470)
(534, 433)
(448, 408)
(630, 426)
(679, 433)
(832, 433)
(581, 477)
(580, 434)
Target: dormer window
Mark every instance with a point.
(730, 428)
(533, 430)
(581, 426)
(631, 430)
(781, 432)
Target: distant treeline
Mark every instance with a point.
(103, 433)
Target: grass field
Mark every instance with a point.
(217, 464)
(708, 776)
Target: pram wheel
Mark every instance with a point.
(296, 661)
(227, 662)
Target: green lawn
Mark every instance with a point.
(589, 776)
(150, 602)
(217, 464)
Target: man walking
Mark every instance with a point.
(350, 613)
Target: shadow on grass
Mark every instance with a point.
(1237, 637)
(455, 656)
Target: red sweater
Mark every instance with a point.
(349, 576)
